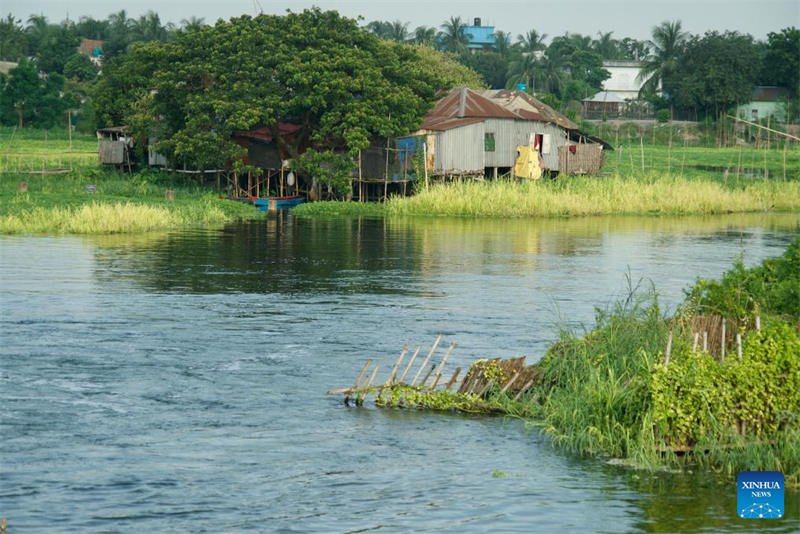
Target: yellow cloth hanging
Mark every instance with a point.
(527, 165)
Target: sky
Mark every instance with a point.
(625, 18)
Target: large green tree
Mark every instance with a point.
(29, 100)
(342, 84)
(782, 60)
(717, 71)
(56, 47)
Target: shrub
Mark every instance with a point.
(663, 115)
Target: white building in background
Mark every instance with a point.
(624, 81)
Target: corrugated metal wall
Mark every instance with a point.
(460, 150)
(509, 134)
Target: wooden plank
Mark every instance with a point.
(487, 388)
(425, 363)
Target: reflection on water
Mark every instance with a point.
(175, 382)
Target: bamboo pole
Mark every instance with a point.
(428, 375)
(525, 388)
(410, 363)
(722, 350)
(705, 341)
(508, 384)
(397, 364)
(425, 363)
(739, 346)
(758, 323)
(453, 379)
(641, 145)
(669, 349)
(441, 365)
(696, 340)
(765, 128)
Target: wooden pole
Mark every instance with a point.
(397, 364)
(69, 128)
(739, 346)
(641, 145)
(430, 371)
(511, 381)
(453, 379)
(758, 323)
(669, 349)
(696, 340)
(425, 363)
(410, 363)
(441, 365)
(765, 128)
(425, 160)
(705, 341)
(521, 392)
(722, 350)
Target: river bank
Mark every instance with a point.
(577, 196)
(91, 201)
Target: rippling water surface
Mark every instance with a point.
(176, 382)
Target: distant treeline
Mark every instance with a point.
(701, 75)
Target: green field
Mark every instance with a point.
(31, 150)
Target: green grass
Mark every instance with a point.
(31, 149)
(57, 204)
(569, 196)
(608, 392)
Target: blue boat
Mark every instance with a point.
(278, 203)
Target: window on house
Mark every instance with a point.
(488, 142)
(754, 112)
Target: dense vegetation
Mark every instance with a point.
(612, 391)
(700, 74)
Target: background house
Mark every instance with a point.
(603, 105)
(624, 81)
(480, 37)
(92, 48)
(766, 101)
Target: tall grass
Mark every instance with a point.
(121, 204)
(569, 196)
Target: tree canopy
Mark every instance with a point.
(316, 69)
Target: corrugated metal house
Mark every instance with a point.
(469, 133)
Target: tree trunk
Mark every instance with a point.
(20, 120)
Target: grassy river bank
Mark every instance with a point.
(120, 203)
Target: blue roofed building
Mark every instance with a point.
(481, 37)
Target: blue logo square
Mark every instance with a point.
(759, 494)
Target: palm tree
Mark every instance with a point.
(502, 43)
(424, 34)
(531, 42)
(583, 42)
(398, 31)
(13, 43)
(36, 29)
(454, 35)
(550, 77)
(606, 46)
(119, 20)
(523, 70)
(662, 61)
(193, 23)
(380, 28)
(148, 28)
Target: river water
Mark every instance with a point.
(176, 382)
